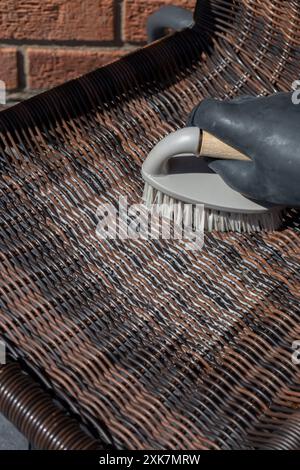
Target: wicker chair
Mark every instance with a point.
(142, 344)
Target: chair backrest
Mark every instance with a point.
(279, 19)
(261, 38)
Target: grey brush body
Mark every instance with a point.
(175, 175)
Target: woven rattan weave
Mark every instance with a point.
(148, 344)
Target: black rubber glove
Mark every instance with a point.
(266, 129)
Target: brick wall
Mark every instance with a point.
(46, 42)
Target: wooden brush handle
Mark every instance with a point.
(212, 147)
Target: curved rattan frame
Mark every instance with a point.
(33, 411)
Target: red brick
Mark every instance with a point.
(8, 67)
(48, 67)
(136, 13)
(86, 20)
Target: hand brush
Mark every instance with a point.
(176, 179)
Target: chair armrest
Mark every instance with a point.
(168, 17)
(46, 426)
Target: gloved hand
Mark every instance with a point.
(266, 129)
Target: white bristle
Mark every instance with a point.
(217, 220)
(178, 213)
(188, 215)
